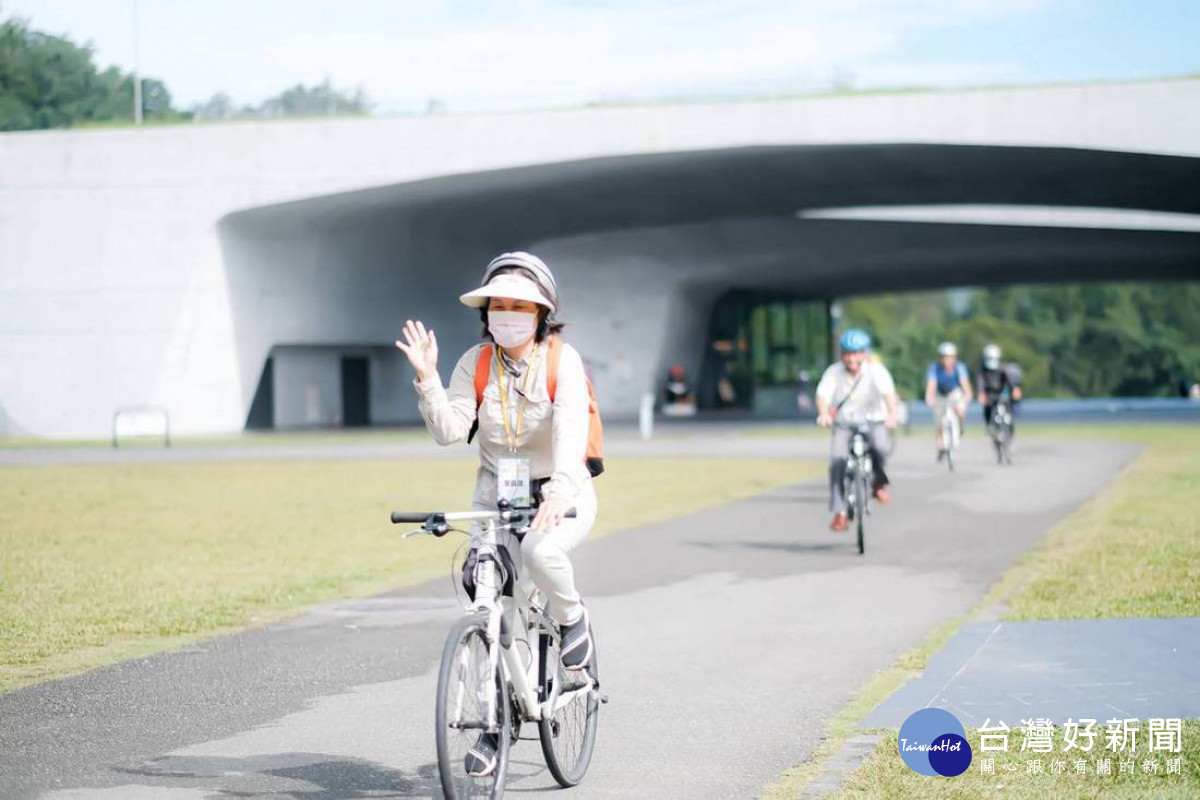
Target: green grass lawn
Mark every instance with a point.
(105, 562)
(886, 775)
(1132, 551)
(372, 435)
(786, 430)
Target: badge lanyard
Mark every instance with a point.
(509, 436)
(513, 476)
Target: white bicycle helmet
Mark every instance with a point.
(947, 349)
(532, 264)
(991, 356)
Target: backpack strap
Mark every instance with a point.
(483, 370)
(553, 354)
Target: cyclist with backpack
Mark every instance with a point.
(526, 394)
(995, 380)
(856, 389)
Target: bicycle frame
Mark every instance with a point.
(1003, 412)
(505, 617)
(860, 455)
(950, 425)
(860, 450)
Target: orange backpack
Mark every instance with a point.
(594, 457)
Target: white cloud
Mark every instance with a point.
(489, 54)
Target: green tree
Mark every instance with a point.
(48, 81)
(317, 101)
(1072, 340)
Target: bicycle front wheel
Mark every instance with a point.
(569, 736)
(471, 701)
(950, 437)
(861, 491)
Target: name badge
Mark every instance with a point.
(513, 481)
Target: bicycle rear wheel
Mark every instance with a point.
(569, 737)
(467, 688)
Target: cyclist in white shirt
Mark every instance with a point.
(856, 390)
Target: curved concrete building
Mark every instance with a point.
(257, 273)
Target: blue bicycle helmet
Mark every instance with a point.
(853, 340)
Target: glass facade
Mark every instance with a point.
(758, 345)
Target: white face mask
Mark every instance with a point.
(511, 328)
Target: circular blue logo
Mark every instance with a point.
(933, 742)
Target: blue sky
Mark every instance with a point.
(508, 54)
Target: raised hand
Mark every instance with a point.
(421, 348)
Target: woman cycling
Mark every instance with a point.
(533, 445)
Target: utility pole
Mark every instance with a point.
(137, 75)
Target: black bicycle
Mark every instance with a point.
(501, 666)
(1001, 429)
(859, 478)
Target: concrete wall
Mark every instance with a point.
(127, 277)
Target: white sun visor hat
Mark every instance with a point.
(514, 287)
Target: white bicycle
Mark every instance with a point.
(951, 433)
(500, 666)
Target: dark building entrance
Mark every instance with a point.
(758, 345)
(262, 408)
(356, 391)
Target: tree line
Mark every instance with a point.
(48, 81)
(1071, 340)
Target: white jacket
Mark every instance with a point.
(553, 435)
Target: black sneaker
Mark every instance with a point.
(481, 758)
(577, 643)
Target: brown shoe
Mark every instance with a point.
(839, 523)
(882, 496)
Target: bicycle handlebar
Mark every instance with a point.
(854, 426)
(439, 517)
(410, 516)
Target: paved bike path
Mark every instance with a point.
(728, 639)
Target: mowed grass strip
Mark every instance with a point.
(101, 563)
(1133, 550)
(1017, 773)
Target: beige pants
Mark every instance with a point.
(542, 557)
